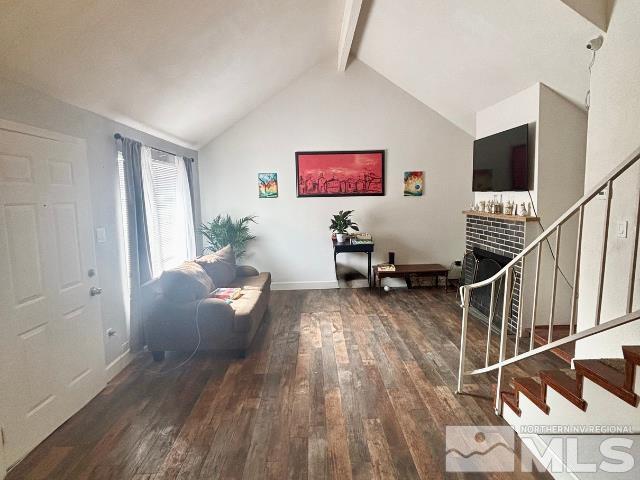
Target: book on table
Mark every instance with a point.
(227, 294)
(363, 236)
(386, 267)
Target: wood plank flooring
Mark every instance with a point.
(338, 384)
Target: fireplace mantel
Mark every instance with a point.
(501, 216)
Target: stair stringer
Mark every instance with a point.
(603, 408)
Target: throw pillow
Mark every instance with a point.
(220, 266)
(186, 283)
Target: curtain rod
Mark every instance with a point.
(117, 136)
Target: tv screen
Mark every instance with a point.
(501, 161)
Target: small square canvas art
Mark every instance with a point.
(413, 184)
(267, 185)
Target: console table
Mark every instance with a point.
(404, 271)
(348, 247)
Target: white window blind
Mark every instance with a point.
(164, 173)
(169, 236)
(167, 203)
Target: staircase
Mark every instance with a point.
(588, 391)
(572, 397)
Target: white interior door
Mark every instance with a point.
(51, 343)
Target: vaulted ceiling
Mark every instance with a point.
(188, 70)
(460, 56)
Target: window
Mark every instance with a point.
(167, 201)
(167, 205)
(165, 237)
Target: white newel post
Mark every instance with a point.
(503, 336)
(466, 293)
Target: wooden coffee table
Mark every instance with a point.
(419, 269)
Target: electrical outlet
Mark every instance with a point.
(622, 229)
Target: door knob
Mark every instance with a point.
(93, 291)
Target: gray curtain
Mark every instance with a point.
(139, 253)
(189, 164)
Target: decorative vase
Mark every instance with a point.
(341, 237)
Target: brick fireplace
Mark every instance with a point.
(494, 240)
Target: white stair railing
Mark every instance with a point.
(507, 272)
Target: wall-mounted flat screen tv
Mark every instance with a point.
(501, 161)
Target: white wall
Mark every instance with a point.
(512, 112)
(326, 110)
(24, 105)
(614, 132)
(557, 142)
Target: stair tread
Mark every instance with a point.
(609, 378)
(530, 384)
(632, 353)
(617, 364)
(565, 383)
(510, 398)
(532, 389)
(566, 352)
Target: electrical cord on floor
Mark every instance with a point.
(547, 240)
(183, 363)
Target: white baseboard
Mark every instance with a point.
(304, 285)
(118, 365)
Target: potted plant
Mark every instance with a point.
(224, 230)
(340, 223)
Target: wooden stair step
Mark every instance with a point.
(510, 398)
(632, 353)
(565, 352)
(618, 364)
(609, 378)
(531, 389)
(566, 384)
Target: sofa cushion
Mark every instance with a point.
(249, 309)
(262, 281)
(220, 266)
(186, 283)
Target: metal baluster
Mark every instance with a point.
(634, 258)
(535, 295)
(503, 337)
(603, 255)
(554, 283)
(519, 325)
(463, 337)
(576, 274)
(491, 313)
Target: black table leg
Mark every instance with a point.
(408, 280)
(369, 268)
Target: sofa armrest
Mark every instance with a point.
(215, 308)
(246, 271)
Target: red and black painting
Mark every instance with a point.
(340, 174)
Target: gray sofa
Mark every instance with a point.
(183, 292)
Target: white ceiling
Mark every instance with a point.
(187, 70)
(182, 69)
(460, 56)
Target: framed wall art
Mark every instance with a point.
(340, 174)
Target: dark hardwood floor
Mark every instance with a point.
(338, 384)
